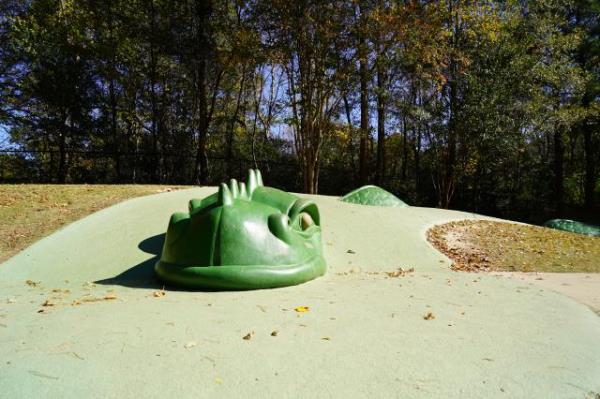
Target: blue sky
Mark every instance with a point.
(4, 138)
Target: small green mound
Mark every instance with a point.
(574, 227)
(373, 195)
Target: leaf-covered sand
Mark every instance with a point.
(29, 212)
(498, 246)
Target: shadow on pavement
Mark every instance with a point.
(142, 274)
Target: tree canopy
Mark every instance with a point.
(490, 106)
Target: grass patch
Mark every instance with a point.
(496, 246)
(29, 212)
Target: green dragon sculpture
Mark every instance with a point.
(245, 236)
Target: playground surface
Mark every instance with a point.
(81, 315)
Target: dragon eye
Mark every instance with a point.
(305, 213)
(306, 221)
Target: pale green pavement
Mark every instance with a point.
(491, 337)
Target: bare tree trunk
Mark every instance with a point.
(559, 153)
(448, 180)
(309, 177)
(153, 102)
(113, 98)
(310, 173)
(114, 131)
(404, 150)
(62, 160)
(234, 118)
(381, 106)
(590, 172)
(418, 162)
(62, 148)
(203, 12)
(201, 164)
(363, 167)
(348, 111)
(257, 96)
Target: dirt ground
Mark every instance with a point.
(560, 261)
(29, 212)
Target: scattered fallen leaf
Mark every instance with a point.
(190, 344)
(326, 339)
(400, 272)
(302, 309)
(32, 283)
(158, 294)
(92, 299)
(48, 302)
(350, 251)
(429, 316)
(248, 336)
(274, 333)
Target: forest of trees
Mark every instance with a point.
(488, 106)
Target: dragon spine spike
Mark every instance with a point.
(225, 197)
(259, 179)
(252, 182)
(243, 192)
(233, 187)
(193, 204)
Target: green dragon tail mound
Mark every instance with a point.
(573, 227)
(245, 236)
(373, 195)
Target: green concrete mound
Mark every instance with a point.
(373, 195)
(362, 332)
(574, 227)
